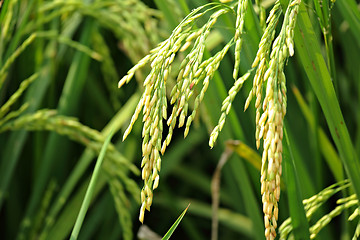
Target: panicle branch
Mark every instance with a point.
(314, 203)
(271, 108)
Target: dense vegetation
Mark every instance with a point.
(60, 66)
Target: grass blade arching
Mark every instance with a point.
(89, 192)
(174, 226)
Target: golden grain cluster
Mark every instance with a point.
(269, 90)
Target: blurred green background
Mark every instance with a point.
(60, 62)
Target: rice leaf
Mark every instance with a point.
(175, 225)
(90, 190)
(314, 65)
(296, 207)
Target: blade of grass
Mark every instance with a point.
(326, 146)
(305, 173)
(3, 10)
(96, 218)
(90, 191)
(309, 51)
(250, 201)
(324, 16)
(227, 217)
(66, 220)
(84, 161)
(296, 207)
(314, 138)
(175, 225)
(234, 221)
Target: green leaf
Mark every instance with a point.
(296, 207)
(90, 191)
(326, 147)
(309, 52)
(174, 226)
(3, 10)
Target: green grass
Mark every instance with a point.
(60, 63)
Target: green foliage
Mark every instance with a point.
(175, 225)
(60, 62)
(90, 190)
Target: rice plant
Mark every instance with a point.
(265, 94)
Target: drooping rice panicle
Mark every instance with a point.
(312, 204)
(269, 119)
(153, 102)
(240, 21)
